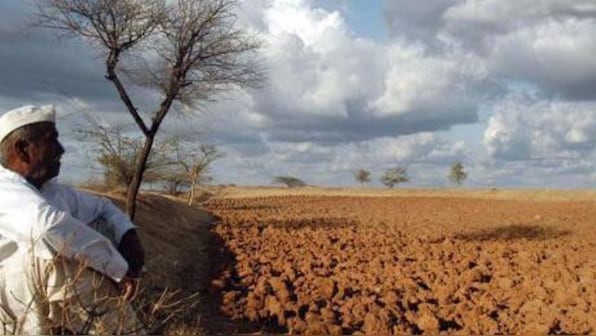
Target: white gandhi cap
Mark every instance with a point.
(25, 115)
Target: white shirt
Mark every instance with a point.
(54, 221)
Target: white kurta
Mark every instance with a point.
(56, 221)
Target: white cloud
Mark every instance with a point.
(381, 153)
(527, 128)
(506, 137)
(435, 84)
(315, 67)
(312, 25)
(326, 85)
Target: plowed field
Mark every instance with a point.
(406, 265)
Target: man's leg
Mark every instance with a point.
(24, 310)
(87, 302)
(49, 295)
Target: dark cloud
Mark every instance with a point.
(414, 19)
(338, 130)
(35, 63)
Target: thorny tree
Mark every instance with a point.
(187, 50)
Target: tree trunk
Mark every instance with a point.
(191, 196)
(140, 165)
(135, 184)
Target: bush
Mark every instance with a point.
(394, 176)
(289, 181)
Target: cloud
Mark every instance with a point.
(416, 20)
(506, 13)
(327, 86)
(538, 141)
(429, 85)
(36, 64)
(506, 137)
(382, 153)
(556, 56)
(544, 133)
(550, 44)
(474, 21)
(426, 156)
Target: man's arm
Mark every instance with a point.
(131, 249)
(103, 216)
(60, 234)
(97, 211)
(29, 220)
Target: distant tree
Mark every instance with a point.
(394, 176)
(289, 181)
(189, 168)
(362, 176)
(457, 174)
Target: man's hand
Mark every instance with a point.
(129, 287)
(131, 249)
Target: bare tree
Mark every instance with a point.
(190, 167)
(362, 176)
(394, 176)
(187, 50)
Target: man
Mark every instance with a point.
(69, 261)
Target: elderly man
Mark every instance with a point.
(69, 261)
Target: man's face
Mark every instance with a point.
(45, 152)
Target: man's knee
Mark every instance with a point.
(92, 301)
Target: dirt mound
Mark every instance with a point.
(179, 244)
(352, 265)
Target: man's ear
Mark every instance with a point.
(21, 150)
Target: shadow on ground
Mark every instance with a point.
(514, 232)
(181, 258)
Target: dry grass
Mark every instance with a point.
(477, 193)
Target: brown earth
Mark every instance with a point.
(483, 262)
(403, 265)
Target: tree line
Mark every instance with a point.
(390, 177)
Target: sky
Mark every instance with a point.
(507, 87)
